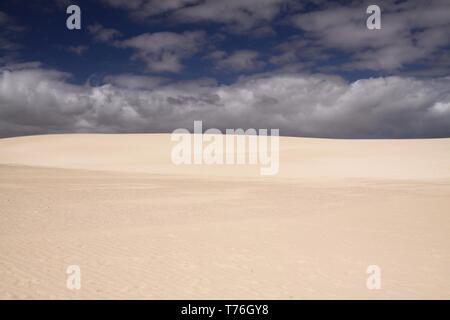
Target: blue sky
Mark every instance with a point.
(46, 39)
(311, 68)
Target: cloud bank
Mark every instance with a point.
(35, 100)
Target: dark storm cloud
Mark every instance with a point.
(36, 100)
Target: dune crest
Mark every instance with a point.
(306, 158)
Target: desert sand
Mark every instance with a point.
(140, 227)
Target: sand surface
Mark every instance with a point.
(140, 227)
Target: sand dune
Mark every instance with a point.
(299, 157)
(140, 227)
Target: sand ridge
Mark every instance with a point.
(300, 158)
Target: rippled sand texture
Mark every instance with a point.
(141, 228)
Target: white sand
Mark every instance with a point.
(141, 227)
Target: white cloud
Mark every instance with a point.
(240, 60)
(36, 100)
(102, 34)
(146, 8)
(9, 29)
(78, 50)
(410, 31)
(237, 15)
(164, 51)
